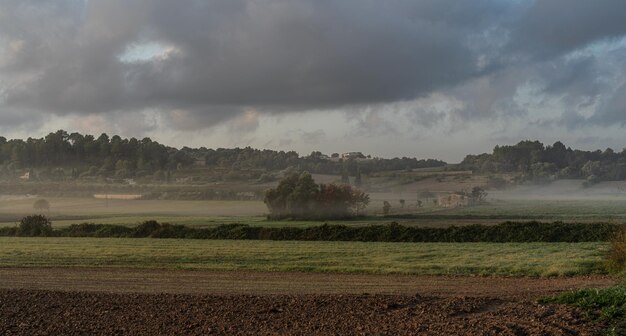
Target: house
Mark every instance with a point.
(455, 200)
(130, 181)
(352, 155)
(25, 177)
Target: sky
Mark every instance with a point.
(418, 78)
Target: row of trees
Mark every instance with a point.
(61, 149)
(105, 156)
(535, 161)
(316, 162)
(298, 196)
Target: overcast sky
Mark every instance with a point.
(425, 78)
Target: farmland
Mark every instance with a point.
(470, 287)
(527, 259)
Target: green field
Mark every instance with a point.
(528, 259)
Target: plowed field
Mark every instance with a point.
(110, 301)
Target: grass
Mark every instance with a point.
(510, 259)
(607, 305)
(545, 209)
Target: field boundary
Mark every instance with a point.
(508, 232)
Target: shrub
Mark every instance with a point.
(617, 254)
(146, 228)
(35, 226)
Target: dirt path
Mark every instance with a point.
(122, 280)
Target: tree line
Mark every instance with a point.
(114, 156)
(103, 155)
(535, 161)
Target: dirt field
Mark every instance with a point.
(95, 301)
(75, 313)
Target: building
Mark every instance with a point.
(352, 155)
(455, 200)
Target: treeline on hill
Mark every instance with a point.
(113, 156)
(316, 162)
(297, 196)
(502, 233)
(535, 161)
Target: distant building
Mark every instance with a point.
(183, 179)
(455, 200)
(352, 155)
(130, 181)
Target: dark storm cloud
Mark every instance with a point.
(553, 27)
(218, 59)
(273, 55)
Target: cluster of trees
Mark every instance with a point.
(316, 162)
(535, 161)
(298, 196)
(90, 156)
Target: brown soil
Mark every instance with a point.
(109, 301)
(82, 313)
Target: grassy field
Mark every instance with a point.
(529, 259)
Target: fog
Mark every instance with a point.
(566, 190)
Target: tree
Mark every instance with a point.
(402, 203)
(41, 204)
(478, 194)
(386, 207)
(35, 226)
(298, 196)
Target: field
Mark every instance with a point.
(526, 259)
(63, 313)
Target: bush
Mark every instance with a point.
(146, 228)
(617, 254)
(35, 226)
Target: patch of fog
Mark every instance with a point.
(563, 190)
(16, 197)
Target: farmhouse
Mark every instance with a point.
(352, 155)
(455, 200)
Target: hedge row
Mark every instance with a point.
(393, 232)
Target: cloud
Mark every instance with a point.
(229, 62)
(229, 54)
(551, 28)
